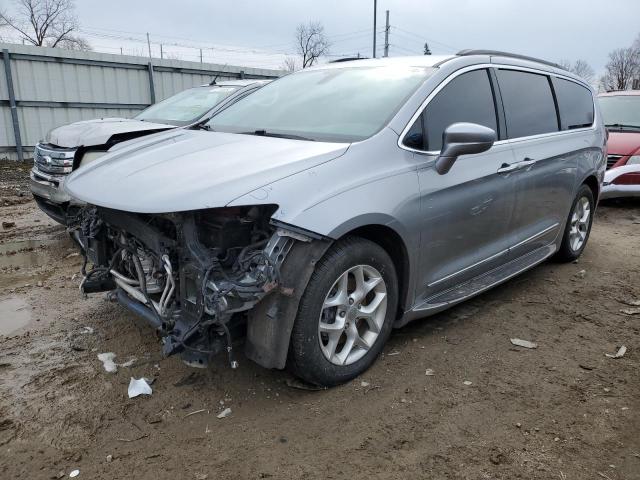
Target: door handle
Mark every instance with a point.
(508, 168)
(512, 167)
(527, 162)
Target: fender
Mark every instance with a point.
(270, 322)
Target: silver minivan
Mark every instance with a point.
(341, 201)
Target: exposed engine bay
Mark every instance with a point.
(192, 275)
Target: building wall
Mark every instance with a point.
(53, 87)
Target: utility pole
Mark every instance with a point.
(200, 55)
(120, 50)
(161, 52)
(386, 37)
(149, 44)
(375, 14)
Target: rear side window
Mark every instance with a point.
(575, 104)
(466, 98)
(529, 107)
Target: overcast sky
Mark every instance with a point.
(550, 29)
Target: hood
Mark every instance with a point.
(193, 169)
(623, 143)
(97, 132)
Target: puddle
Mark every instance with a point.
(24, 253)
(15, 314)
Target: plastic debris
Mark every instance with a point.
(392, 354)
(109, 458)
(619, 354)
(74, 473)
(87, 330)
(138, 387)
(429, 372)
(224, 413)
(467, 383)
(523, 343)
(107, 361)
(364, 384)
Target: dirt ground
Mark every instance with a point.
(561, 411)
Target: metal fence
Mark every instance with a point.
(43, 88)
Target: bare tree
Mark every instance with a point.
(311, 42)
(580, 68)
(622, 68)
(75, 43)
(3, 24)
(584, 70)
(290, 64)
(46, 23)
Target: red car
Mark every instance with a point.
(621, 114)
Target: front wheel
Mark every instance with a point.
(578, 227)
(345, 315)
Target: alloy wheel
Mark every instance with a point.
(352, 315)
(580, 220)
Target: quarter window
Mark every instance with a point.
(415, 136)
(575, 104)
(529, 106)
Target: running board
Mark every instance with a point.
(477, 285)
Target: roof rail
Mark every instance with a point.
(348, 59)
(497, 53)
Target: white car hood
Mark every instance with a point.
(97, 132)
(186, 170)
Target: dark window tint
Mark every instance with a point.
(575, 104)
(415, 136)
(467, 98)
(528, 103)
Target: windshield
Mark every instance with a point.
(621, 111)
(186, 107)
(335, 104)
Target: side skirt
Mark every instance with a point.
(477, 285)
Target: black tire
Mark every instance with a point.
(566, 253)
(306, 359)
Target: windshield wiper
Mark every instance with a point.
(622, 125)
(264, 133)
(203, 126)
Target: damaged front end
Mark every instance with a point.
(193, 275)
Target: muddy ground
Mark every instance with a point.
(561, 411)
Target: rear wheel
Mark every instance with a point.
(345, 315)
(578, 227)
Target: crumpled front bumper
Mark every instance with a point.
(48, 187)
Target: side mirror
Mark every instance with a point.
(463, 139)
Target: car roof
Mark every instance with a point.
(462, 58)
(620, 93)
